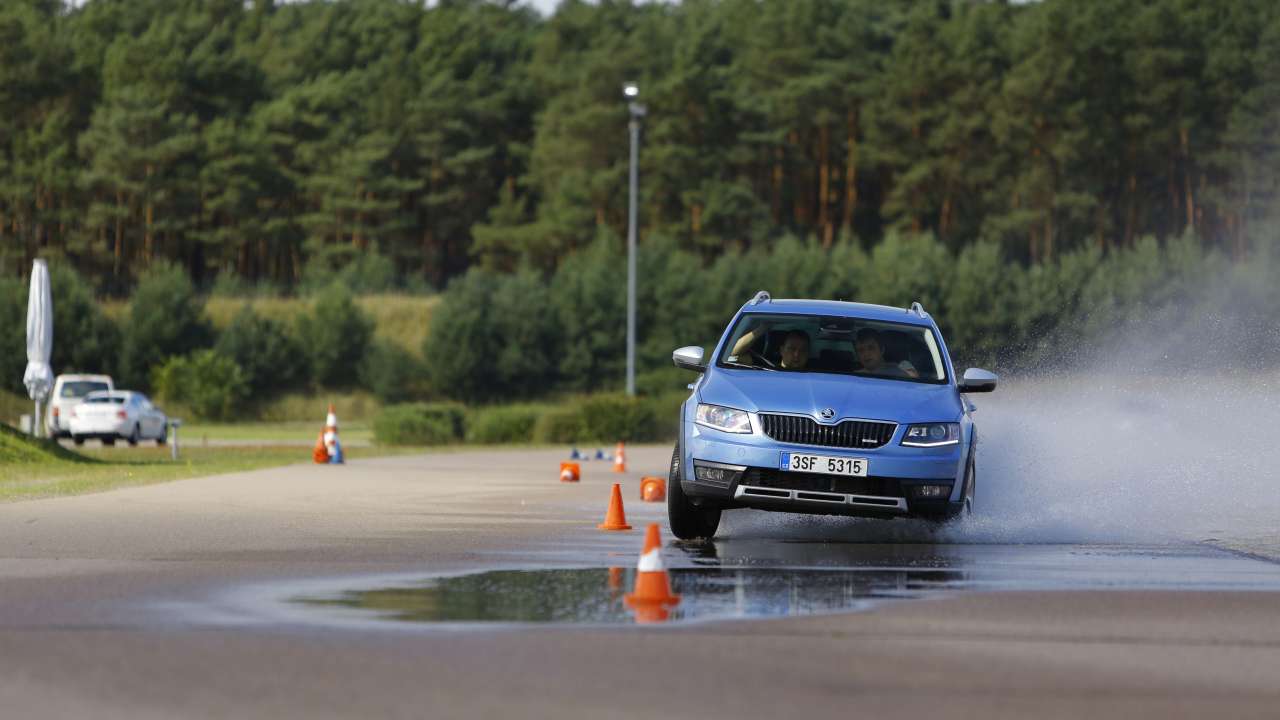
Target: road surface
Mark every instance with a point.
(170, 601)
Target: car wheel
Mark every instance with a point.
(133, 436)
(164, 437)
(688, 521)
(108, 441)
(970, 487)
(77, 440)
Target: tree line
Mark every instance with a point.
(1150, 309)
(165, 343)
(264, 142)
(502, 337)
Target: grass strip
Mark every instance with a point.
(55, 473)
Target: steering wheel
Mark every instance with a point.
(760, 356)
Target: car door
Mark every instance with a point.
(151, 426)
(133, 407)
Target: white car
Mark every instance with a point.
(68, 391)
(118, 414)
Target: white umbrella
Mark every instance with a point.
(39, 377)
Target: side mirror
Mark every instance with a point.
(689, 358)
(977, 380)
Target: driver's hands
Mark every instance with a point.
(906, 367)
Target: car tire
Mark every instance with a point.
(133, 436)
(688, 521)
(108, 441)
(164, 437)
(971, 487)
(78, 440)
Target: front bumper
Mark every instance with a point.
(744, 473)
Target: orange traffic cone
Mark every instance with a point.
(651, 613)
(653, 489)
(651, 596)
(620, 459)
(570, 472)
(615, 518)
(615, 578)
(321, 453)
(333, 446)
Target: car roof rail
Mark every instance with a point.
(760, 297)
(918, 309)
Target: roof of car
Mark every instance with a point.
(838, 308)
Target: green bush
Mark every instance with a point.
(615, 417)
(335, 335)
(390, 372)
(492, 336)
(419, 424)
(209, 384)
(503, 424)
(84, 339)
(166, 319)
(561, 425)
(590, 300)
(270, 358)
(13, 334)
(665, 410)
(608, 418)
(360, 271)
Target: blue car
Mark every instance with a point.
(813, 406)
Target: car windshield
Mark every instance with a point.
(113, 399)
(80, 388)
(836, 345)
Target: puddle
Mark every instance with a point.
(722, 580)
(596, 596)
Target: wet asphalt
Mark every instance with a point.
(474, 584)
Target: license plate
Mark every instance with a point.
(825, 464)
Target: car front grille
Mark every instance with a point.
(857, 434)
(815, 482)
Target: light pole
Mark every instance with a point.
(632, 92)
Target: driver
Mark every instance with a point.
(869, 347)
(794, 350)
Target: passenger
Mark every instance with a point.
(869, 347)
(794, 350)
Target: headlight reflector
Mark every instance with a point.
(723, 418)
(932, 435)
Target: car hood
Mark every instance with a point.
(849, 396)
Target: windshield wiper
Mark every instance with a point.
(748, 367)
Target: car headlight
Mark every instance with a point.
(723, 418)
(932, 435)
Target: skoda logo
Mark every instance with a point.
(827, 413)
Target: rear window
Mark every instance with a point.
(104, 399)
(80, 388)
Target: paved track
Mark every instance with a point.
(110, 607)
